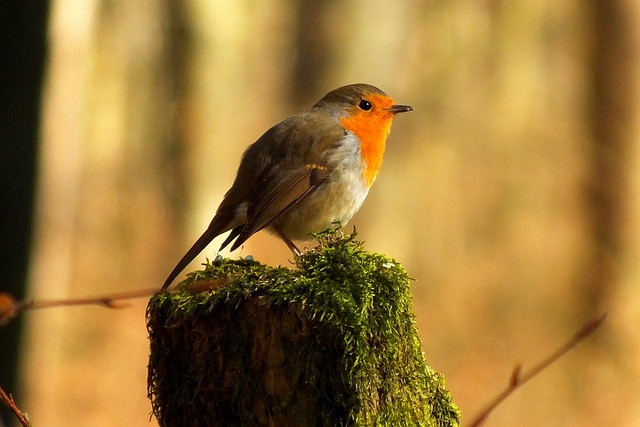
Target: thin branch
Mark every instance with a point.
(209, 284)
(7, 400)
(113, 301)
(518, 378)
(10, 308)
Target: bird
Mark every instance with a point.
(305, 173)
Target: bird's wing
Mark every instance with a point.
(295, 168)
(293, 186)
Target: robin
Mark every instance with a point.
(306, 172)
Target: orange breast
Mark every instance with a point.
(372, 128)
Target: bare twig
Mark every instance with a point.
(518, 378)
(10, 308)
(7, 400)
(209, 284)
(113, 301)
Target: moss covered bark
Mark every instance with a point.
(331, 343)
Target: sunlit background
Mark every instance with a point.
(511, 193)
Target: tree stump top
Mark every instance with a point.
(331, 343)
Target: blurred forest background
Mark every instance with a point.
(511, 194)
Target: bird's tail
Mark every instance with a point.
(210, 233)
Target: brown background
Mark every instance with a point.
(511, 193)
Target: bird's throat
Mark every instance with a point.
(372, 131)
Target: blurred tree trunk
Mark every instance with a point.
(22, 54)
(107, 217)
(612, 281)
(614, 124)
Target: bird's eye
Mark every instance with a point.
(364, 105)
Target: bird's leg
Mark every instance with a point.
(287, 241)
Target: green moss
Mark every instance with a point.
(331, 343)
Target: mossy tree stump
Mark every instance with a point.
(331, 343)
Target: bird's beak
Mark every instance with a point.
(399, 108)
